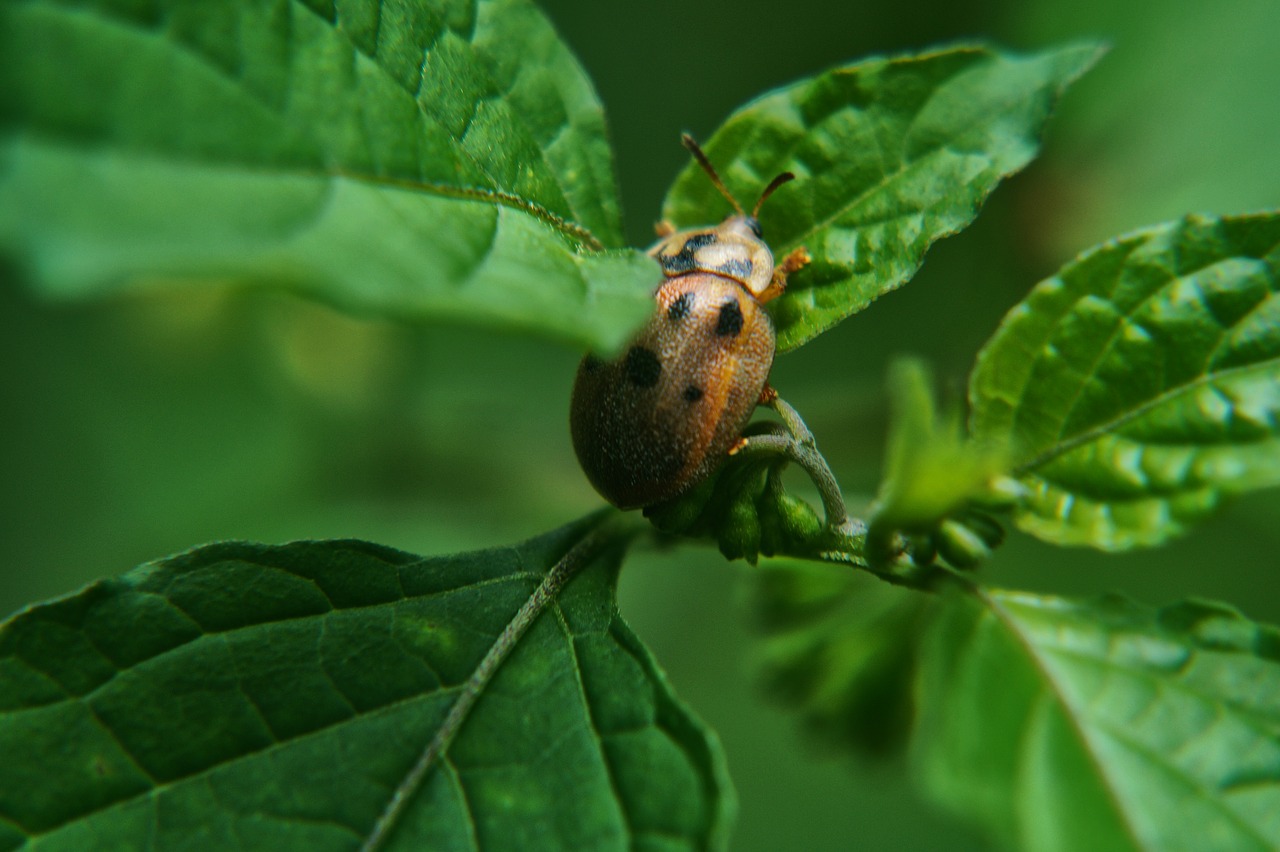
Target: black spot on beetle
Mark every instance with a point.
(692, 393)
(591, 363)
(683, 260)
(679, 309)
(730, 322)
(642, 367)
(736, 268)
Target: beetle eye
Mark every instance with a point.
(754, 224)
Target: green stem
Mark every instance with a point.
(802, 448)
(583, 552)
(844, 539)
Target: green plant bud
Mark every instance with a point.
(1001, 494)
(681, 514)
(923, 549)
(773, 525)
(960, 546)
(988, 528)
(799, 520)
(772, 512)
(884, 545)
(786, 522)
(739, 530)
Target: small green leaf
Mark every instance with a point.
(931, 467)
(891, 156)
(1141, 384)
(246, 696)
(1061, 724)
(424, 159)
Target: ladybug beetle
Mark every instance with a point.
(661, 417)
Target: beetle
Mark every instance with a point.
(660, 418)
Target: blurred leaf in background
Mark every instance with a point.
(1179, 119)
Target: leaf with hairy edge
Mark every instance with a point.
(247, 696)
(1141, 384)
(1103, 725)
(415, 159)
(891, 156)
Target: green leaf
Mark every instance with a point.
(1097, 725)
(931, 467)
(246, 696)
(891, 156)
(416, 159)
(1141, 384)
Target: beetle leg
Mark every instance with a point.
(664, 229)
(796, 260)
(767, 395)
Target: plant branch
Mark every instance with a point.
(843, 539)
(802, 448)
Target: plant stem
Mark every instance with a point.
(802, 448)
(585, 550)
(844, 539)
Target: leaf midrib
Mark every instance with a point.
(1050, 685)
(156, 786)
(161, 786)
(1259, 723)
(1130, 245)
(1122, 420)
(1177, 774)
(523, 575)
(1073, 714)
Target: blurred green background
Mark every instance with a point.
(149, 423)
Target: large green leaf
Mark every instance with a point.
(407, 157)
(1103, 725)
(1142, 383)
(891, 155)
(246, 696)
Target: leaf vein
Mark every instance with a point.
(1121, 420)
(610, 771)
(994, 610)
(1267, 727)
(1169, 769)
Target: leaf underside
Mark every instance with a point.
(246, 696)
(1065, 725)
(840, 648)
(891, 155)
(1141, 385)
(397, 158)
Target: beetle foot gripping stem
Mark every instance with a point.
(800, 446)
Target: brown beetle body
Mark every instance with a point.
(660, 418)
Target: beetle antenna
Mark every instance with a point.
(785, 177)
(689, 143)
